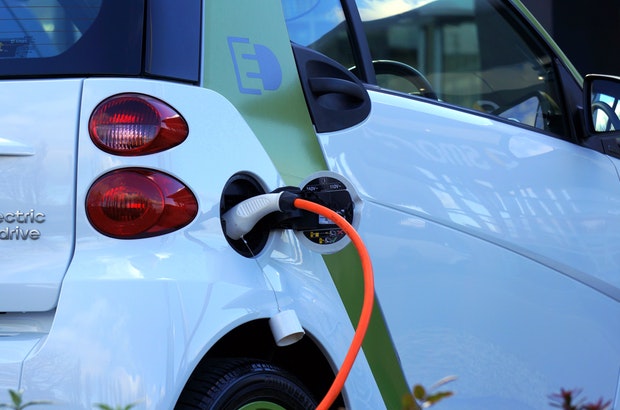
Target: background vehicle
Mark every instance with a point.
(488, 203)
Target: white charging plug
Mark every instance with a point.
(241, 218)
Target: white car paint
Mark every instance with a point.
(38, 168)
(495, 251)
(125, 305)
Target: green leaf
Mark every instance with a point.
(16, 398)
(106, 407)
(434, 398)
(419, 392)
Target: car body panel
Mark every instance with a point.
(549, 199)
(37, 153)
(498, 322)
(492, 253)
(493, 244)
(184, 291)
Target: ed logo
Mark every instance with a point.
(256, 66)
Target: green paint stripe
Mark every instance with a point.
(279, 118)
(379, 350)
(281, 121)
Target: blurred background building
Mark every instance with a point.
(588, 31)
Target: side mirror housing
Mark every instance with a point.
(601, 103)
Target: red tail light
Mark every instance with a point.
(135, 203)
(136, 124)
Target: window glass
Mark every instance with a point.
(42, 28)
(605, 105)
(470, 52)
(70, 37)
(320, 25)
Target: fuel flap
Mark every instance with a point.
(38, 136)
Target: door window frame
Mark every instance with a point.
(366, 73)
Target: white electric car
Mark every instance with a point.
(480, 170)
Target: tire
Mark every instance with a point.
(243, 384)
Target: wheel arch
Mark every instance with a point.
(304, 359)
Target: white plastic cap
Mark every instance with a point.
(286, 328)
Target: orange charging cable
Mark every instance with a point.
(369, 293)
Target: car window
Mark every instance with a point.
(44, 29)
(469, 53)
(67, 37)
(320, 25)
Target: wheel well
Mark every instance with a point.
(304, 359)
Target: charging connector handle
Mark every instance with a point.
(241, 218)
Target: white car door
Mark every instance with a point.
(493, 231)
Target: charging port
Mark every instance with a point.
(249, 214)
(336, 193)
(333, 194)
(237, 189)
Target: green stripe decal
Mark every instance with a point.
(279, 117)
(346, 269)
(275, 109)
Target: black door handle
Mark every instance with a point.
(336, 98)
(328, 85)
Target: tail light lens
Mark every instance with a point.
(136, 124)
(136, 203)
